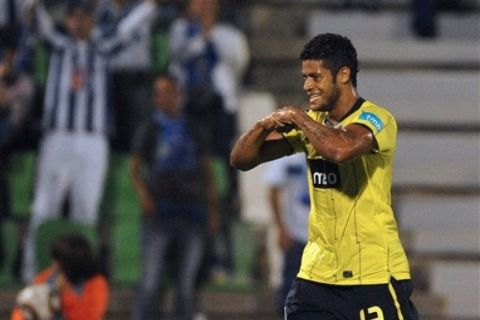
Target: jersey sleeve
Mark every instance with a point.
(382, 124)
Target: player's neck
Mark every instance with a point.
(345, 102)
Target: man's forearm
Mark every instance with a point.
(339, 145)
(144, 13)
(246, 153)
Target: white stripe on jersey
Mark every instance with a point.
(76, 91)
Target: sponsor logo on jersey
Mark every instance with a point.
(373, 119)
(324, 174)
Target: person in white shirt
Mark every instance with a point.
(210, 58)
(289, 201)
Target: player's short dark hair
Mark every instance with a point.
(336, 51)
(74, 254)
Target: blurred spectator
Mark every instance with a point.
(16, 92)
(287, 183)
(207, 55)
(74, 148)
(423, 18)
(71, 288)
(131, 70)
(10, 22)
(178, 198)
(169, 11)
(210, 58)
(12, 29)
(235, 12)
(425, 14)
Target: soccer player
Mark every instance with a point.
(354, 265)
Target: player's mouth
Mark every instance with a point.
(314, 97)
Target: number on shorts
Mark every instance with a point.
(372, 311)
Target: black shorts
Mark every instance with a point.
(309, 300)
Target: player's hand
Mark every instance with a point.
(268, 123)
(287, 114)
(285, 118)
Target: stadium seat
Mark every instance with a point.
(122, 214)
(21, 179)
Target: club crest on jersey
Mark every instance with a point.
(324, 174)
(373, 119)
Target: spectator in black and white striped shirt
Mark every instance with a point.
(74, 148)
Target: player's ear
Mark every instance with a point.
(344, 75)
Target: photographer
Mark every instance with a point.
(71, 288)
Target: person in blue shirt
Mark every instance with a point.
(178, 196)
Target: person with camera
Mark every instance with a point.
(70, 288)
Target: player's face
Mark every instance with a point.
(320, 85)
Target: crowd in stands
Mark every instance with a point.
(80, 79)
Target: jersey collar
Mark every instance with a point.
(354, 108)
(333, 124)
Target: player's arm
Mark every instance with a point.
(337, 145)
(259, 144)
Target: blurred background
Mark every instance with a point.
(418, 58)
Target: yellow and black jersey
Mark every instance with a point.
(353, 236)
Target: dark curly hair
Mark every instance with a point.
(75, 257)
(335, 51)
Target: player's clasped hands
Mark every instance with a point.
(282, 120)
